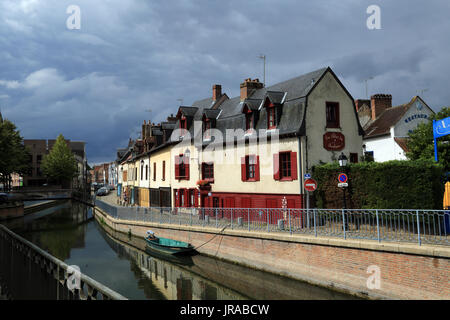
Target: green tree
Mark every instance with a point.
(421, 145)
(14, 157)
(60, 165)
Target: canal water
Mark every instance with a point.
(69, 232)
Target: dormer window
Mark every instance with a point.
(249, 121)
(249, 118)
(271, 118)
(207, 129)
(183, 123)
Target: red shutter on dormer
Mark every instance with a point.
(257, 169)
(177, 167)
(243, 171)
(276, 166)
(294, 165)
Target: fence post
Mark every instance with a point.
(307, 218)
(378, 226)
(248, 218)
(315, 229)
(216, 216)
(268, 221)
(290, 229)
(191, 218)
(343, 223)
(231, 218)
(418, 227)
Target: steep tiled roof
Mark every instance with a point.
(402, 142)
(290, 94)
(389, 118)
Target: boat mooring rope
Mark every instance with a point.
(213, 236)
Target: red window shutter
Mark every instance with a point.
(243, 171)
(196, 198)
(257, 169)
(177, 168)
(276, 166)
(294, 165)
(186, 165)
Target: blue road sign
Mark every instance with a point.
(307, 176)
(342, 178)
(440, 128)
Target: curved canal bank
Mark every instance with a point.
(121, 263)
(358, 267)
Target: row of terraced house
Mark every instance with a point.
(249, 151)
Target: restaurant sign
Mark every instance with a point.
(333, 141)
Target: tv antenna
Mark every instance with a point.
(263, 56)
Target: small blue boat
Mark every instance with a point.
(167, 246)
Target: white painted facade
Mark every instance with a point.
(385, 148)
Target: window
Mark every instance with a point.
(250, 168)
(135, 174)
(208, 171)
(207, 129)
(271, 124)
(142, 171)
(353, 157)
(154, 171)
(250, 164)
(146, 172)
(249, 121)
(183, 123)
(181, 167)
(191, 197)
(285, 166)
(332, 114)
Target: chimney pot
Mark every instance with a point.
(379, 103)
(217, 91)
(248, 87)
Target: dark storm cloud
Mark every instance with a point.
(95, 84)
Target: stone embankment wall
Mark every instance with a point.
(364, 268)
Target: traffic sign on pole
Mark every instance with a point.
(342, 178)
(310, 184)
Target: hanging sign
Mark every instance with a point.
(333, 141)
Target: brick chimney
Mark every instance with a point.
(379, 103)
(217, 91)
(360, 102)
(249, 86)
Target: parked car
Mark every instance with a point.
(103, 191)
(111, 187)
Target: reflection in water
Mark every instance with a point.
(122, 263)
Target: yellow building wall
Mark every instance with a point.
(158, 157)
(227, 168)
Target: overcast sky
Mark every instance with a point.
(96, 83)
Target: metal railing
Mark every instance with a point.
(415, 226)
(28, 272)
